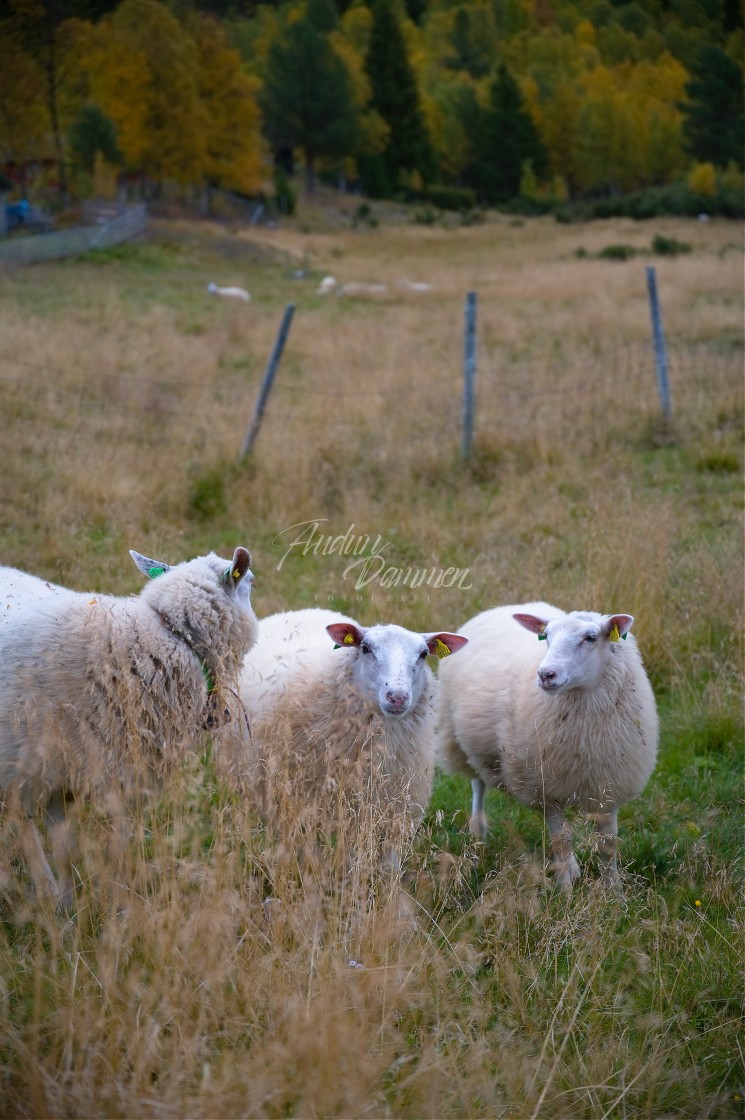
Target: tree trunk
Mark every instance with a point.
(310, 172)
(51, 77)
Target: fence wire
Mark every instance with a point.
(47, 406)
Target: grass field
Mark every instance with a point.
(216, 977)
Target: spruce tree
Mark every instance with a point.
(713, 124)
(507, 140)
(307, 99)
(396, 98)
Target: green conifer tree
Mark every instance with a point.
(307, 98)
(396, 98)
(508, 140)
(714, 122)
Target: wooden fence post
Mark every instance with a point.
(660, 352)
(268, 379)
(469, 377)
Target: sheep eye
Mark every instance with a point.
(423, 654)
(365, 648)
(591, 637)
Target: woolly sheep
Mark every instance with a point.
(337, 707)
(229, 293)
(571, 723)
(17, 588)
(100, 696)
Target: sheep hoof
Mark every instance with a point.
(478, 826)
(566, 874)
(611, 879)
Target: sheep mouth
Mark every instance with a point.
(390, 709)
(551, 686)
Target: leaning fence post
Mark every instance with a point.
(660, 352)
(268, 379)
(469, 376)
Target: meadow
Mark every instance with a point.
(229, 970)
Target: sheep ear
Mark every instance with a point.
(345, 633)
(532, 622)
(240, 566)
(443, 644)
(617, 626)
(148, 567)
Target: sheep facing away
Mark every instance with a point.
(341, 715)
(102, 696)
(569, 724)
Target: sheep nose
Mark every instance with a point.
(396, 698)
(547, 675)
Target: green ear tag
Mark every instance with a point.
(336, 645)
(155, 572)
(541, 637)
(441, 649)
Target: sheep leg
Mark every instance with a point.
(478, 823)
(564, 864)
(36, 860)
(606, 832)
(59, 828)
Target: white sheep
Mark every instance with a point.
(340, 711)
(17, 588)
(101, 696)
(327, 286)
(413, 285)
(357, 289)
(569, 723)
(229, 292)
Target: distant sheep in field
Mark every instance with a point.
(340, 714)
(414, 285)
(101, 696)
(360, 290)
(569, 724)
(229, 293)
(329, 285)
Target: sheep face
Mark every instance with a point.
(577, 647)
(390, 667)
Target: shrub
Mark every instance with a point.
(363, 215)
(617, 253)
(425, 216)
(669, 246)
(450, 198)
(207, 497)
(702, 179)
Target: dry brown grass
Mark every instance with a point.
(210, 975)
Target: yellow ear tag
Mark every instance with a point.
(441, 649)
(614, 634)
(349, 639)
